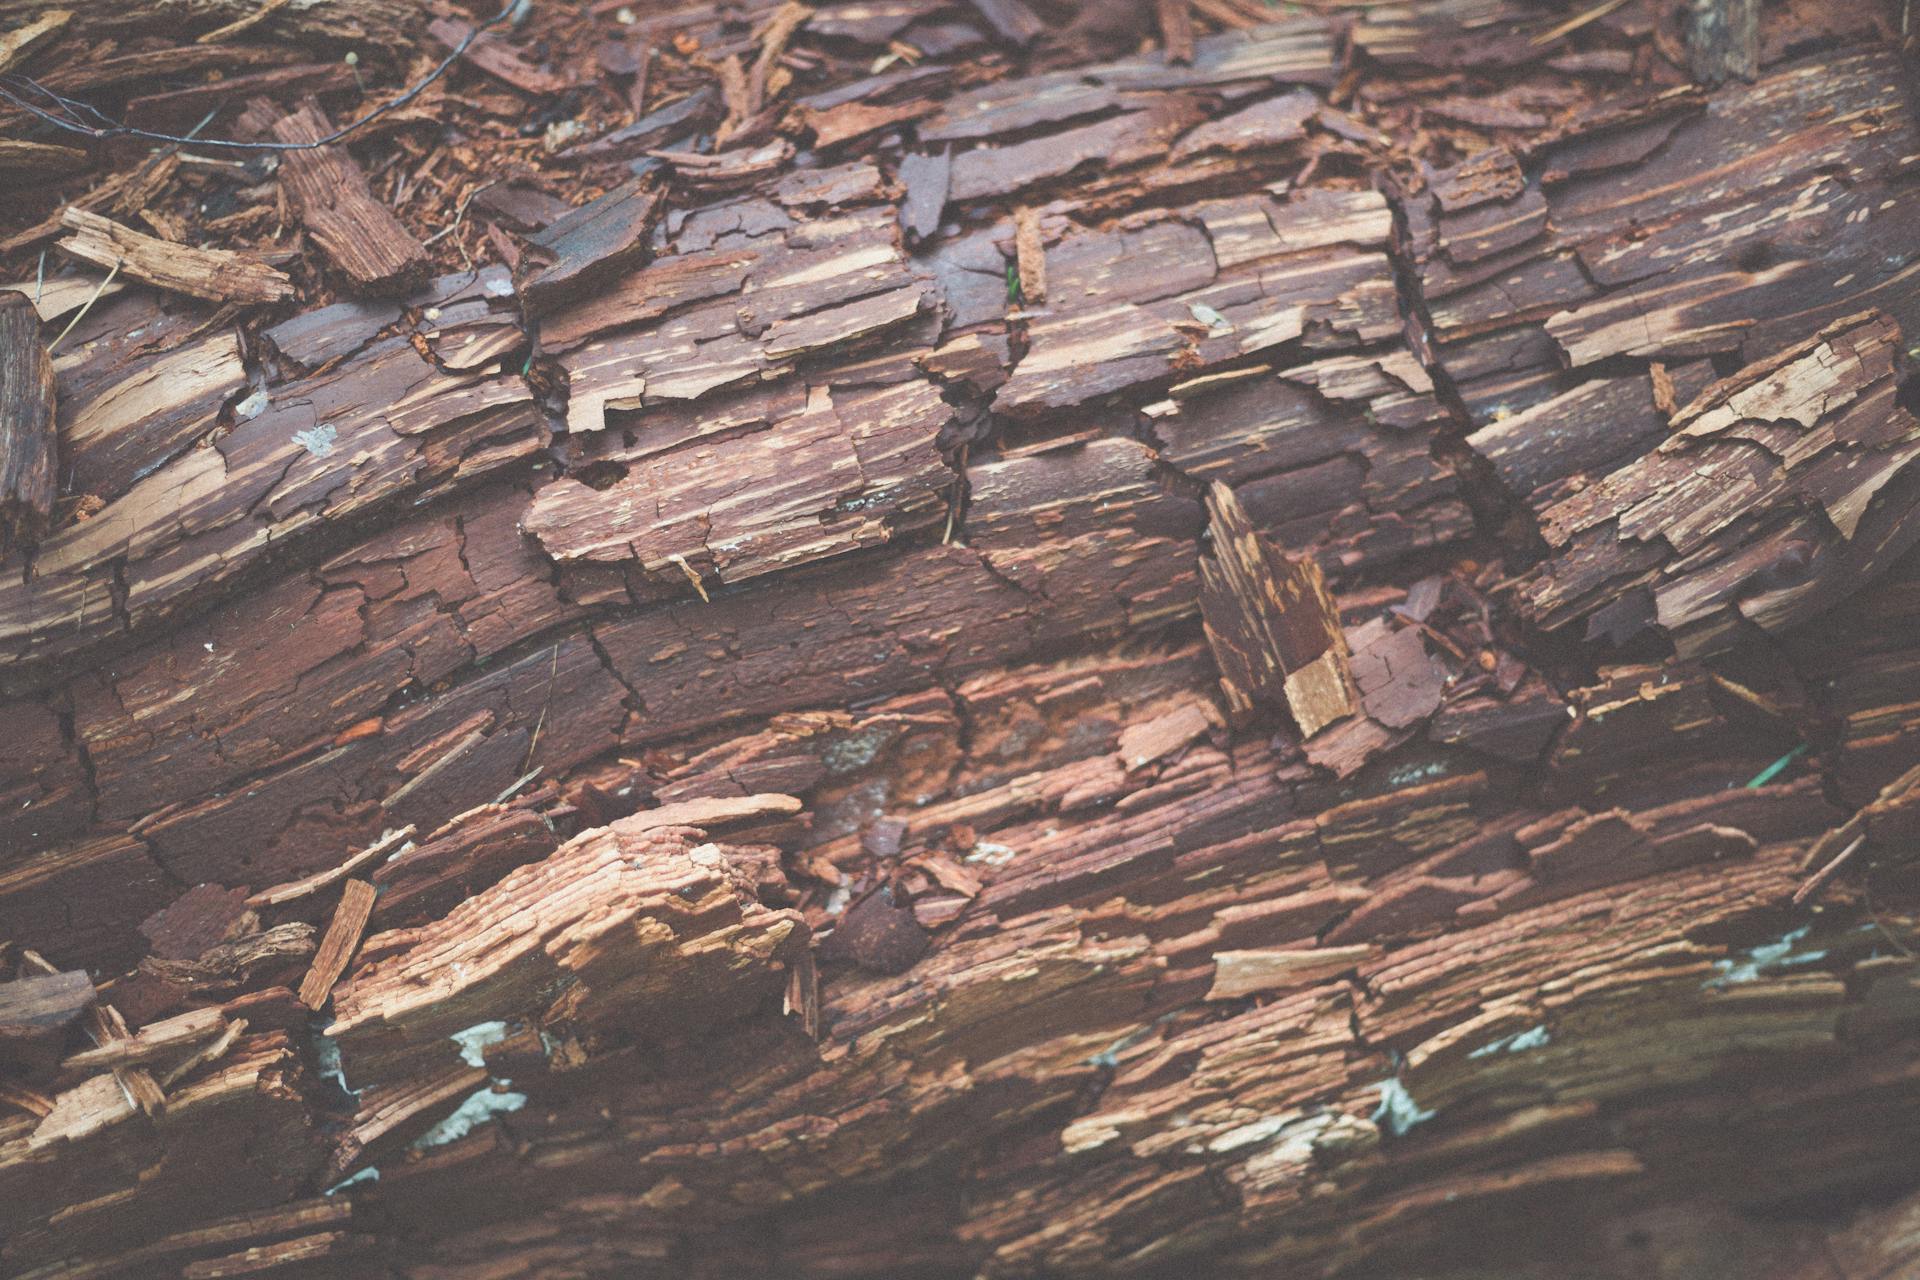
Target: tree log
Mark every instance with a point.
(1045, 665)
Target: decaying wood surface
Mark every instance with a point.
(28, 443)
(1005, 643)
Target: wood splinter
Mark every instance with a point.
(337, 947)
(1272, 624)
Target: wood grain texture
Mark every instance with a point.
(330, 195)
(822, 742)
(29, 450)
(216, 275)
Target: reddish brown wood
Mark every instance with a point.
(329, 193)
(769, 733)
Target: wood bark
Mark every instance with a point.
(1043, 664)
(28, 444)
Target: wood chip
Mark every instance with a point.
(1032, 257)
(337, 947)
(1245, 973)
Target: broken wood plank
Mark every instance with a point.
(28, 447)
(330, 195)
(339, 943)
(216, 275)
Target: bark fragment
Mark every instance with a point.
(1272, 624)
(28, 450)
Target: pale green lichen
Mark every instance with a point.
(1398, 1112)
(479, 1106)
(1518, 1042)
(1767, 958)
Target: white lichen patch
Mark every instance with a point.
(318, 441)
(474, 1040)
(1767, 958)
(253, 406)
(1518, 1042)
(327, 1052)
(994, 855)
(480, 1105)
(1262, 1130)
(368, 1174)
(1398, 1112)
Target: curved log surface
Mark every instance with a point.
(1291, 653)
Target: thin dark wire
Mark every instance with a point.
(111, 129)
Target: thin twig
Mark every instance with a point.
(111, 129)
(253, 19)
(1572, 24)
(81, 314)
(460, 213)
(552, 676)
(1818, 879)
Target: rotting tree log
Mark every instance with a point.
(1049, 663)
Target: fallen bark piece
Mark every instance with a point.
(1273, 626)
(27, 440)
(331, 197)
(580, 249)
(1030, 256)
(337, 947)
(926, 177)
(496, 57)
(35, 1015)
(216, 275)
(1779, 492)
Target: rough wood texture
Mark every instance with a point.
(1723, 39)
(28, 449)
(1274, 629)
(378, 28)
(213, 274)
(35, 1012)
(338, 944)
(330, 195)
(792, 668)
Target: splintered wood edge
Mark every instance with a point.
(1288, 615)
(343, 936)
